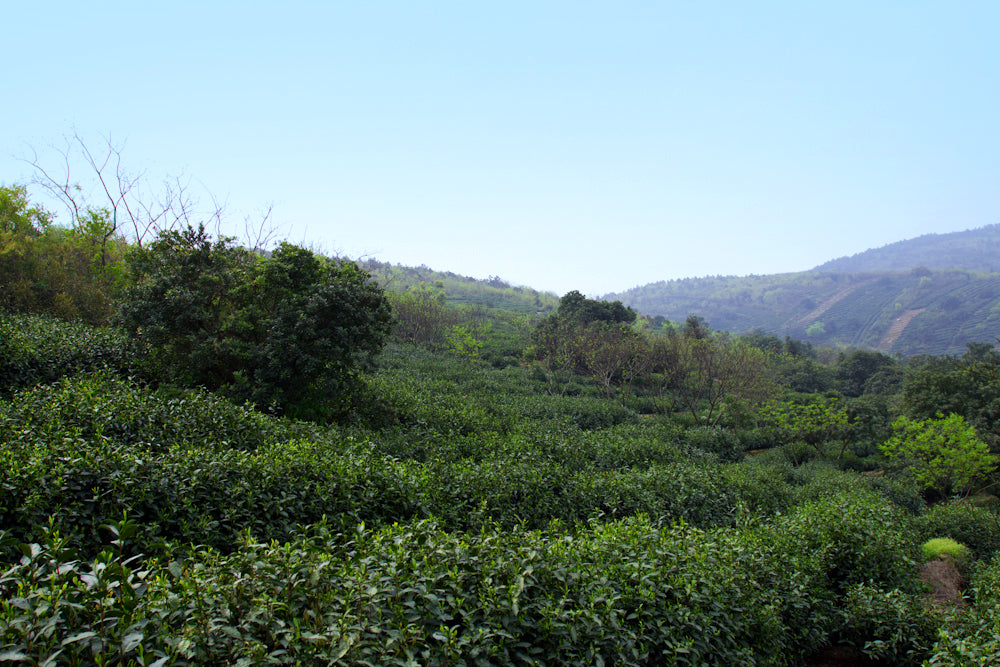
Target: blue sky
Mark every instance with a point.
(560, 145)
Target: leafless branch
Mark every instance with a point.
(133, 212)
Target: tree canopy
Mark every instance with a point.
(287, 331)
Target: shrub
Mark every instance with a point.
(850, 538)
(976, 527)
(945, 546)
(37, 349)
(892, 626)
(289, 331)
(624, 593)
(722, 442)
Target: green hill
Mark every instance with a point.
(929, 295)
(974, 250)
(493, 292)
(915, 312)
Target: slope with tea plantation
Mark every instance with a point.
(929, 295)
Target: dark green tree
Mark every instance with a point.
(857, 372)
(967, 385)
(289, 332)
(577, 307)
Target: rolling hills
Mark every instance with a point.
(928, 295)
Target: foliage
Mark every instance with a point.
(47, 269)
(467, 515)
(713, 376)
(863, 372)
(821, 421)
(968, 386)
(288, 331)
(936, 547)
(973, 525)
(891, 626)
(421, 316)
(627, 593)
(944, 454)
(973, 638)
(37, 349)
(463, 341)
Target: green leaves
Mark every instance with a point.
(943, 454)
(288, 332)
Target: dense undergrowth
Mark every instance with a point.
(463, 516)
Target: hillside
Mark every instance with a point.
(493, 292)
(927, 295)
(973, 250)
(914, 312)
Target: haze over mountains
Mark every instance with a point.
(928, 295)
(973, 250)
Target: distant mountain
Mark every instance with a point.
(929, 295)
(973, 250)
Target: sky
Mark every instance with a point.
(591, 146)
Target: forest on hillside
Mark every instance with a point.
(971, 250)
(918, 311)
(216, 453)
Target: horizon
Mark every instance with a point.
(562, 146)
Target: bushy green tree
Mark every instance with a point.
(863, 371)
(584, 336)
(967, 385)
(944, 453)
(289, 331)
(422, 316)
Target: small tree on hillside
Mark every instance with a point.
(710, 375)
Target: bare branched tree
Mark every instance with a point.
(132, 209)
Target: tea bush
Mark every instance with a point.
(974, 526)
(973, 638)
(129, 414)
(893, 626)
(627, 593)
(849, 538)
(37, 349)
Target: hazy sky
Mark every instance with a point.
(560, 145)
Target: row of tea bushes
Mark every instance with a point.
(625, 592)
(972, 638)
(128, 414)
(37, 349)
(198, 469)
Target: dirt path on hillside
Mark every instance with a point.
(896, 330)
(827, 304)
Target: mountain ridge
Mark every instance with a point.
(927, 295)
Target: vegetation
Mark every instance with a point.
(262, 457)
(285, 331)
(930, 295)
(945, 455)
(947, 547)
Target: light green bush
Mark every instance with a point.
(974, 526)
(945, 546)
